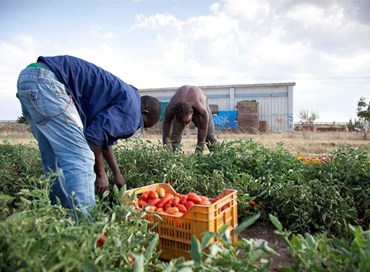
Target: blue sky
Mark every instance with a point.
(323, 46)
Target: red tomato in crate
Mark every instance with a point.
(172, 210)
(183, 199)
(168, 205)
(189, 204)
(144, 196)
(194, 198)
(205, 202)
(159, 210)
(204, 198)
(168, 197)
(154, 201)
(153, 194)
(161, 192)
(175, 200)
(178, 214)
(181, 208)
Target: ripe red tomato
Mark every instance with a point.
(131, 260)
(101, 240)
(172, 210)
(168, 197)
(205, 202)
(189, 204)
(175, 200)
(152, 194)
(194, 198)
(181, 208)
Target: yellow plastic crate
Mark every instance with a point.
(175, 232)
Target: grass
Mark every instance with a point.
(307, 143)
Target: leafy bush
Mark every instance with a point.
(326, 199)
(18, 165)
(307, 197)
(323, 253)
(40, 237)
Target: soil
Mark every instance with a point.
(265, 232)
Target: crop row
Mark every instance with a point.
(304, 196)
(324, 199)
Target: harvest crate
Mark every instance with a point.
(175, 232)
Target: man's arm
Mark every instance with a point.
(199, 102)
(167, 125)
(108, 155)
(101, 181)
(202, 131)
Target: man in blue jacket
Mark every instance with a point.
(77, 111)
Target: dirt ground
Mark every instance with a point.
(305, 143)
(263, 231)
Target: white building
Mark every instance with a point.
(275, 100)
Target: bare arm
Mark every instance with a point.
(101, 182)
(202, 130)
(167, 125)
(108, 155)
(200, 108)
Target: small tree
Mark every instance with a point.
(355, 125)
(307, 118)
(22, 119)
(363, 113)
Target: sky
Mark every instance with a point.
(321, 45)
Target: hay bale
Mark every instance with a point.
(246, 107)
(248, 121)
(263, 126)
(214, 108)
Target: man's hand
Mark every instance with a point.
(101, 184)
(168, 146)
(119, 180)
(101, 181)
(200, 147)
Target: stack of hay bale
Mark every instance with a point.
(248, 117)
(263, 126)
(214, 108)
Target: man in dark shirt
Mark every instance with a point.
(77, 111)
(188, 104)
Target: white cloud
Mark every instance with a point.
(99, 32)
(321, 45)
(350, 64)
(255, 11)
(248, 41)
(157, 21)
(312, 16)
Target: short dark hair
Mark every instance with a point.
(153, 107)
(182, 109)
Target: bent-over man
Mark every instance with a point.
(188, 104)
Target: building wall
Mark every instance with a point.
(275, 100)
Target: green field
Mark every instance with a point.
(321, 211)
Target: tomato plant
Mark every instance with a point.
(326, 198)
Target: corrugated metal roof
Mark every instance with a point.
(226, 86)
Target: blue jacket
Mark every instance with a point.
(110, 109)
